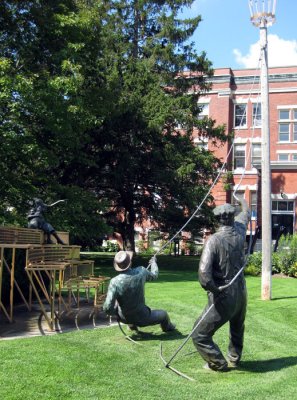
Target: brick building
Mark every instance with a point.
(235, 100)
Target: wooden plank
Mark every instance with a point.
(18, 235)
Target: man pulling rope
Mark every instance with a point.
(222, 258)
(125, 297)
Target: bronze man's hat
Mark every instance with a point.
(122, 260)
(225, 209)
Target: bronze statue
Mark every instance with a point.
(222, 258)
(36, 220)
(125, 297)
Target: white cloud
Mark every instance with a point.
(281, 52)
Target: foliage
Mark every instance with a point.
(287, 255)
(91, 96)
(254, 264)
(227, 180)
(283, 261)
(45, 106)
(111, 247)
(150, 168)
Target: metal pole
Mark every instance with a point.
(266, 172)
(262, 18)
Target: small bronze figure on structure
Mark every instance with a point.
(36, 220)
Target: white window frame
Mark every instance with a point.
(283, 157)
(242, 116)
(204, 107)
(280, 134)
(294, 128)
(243, 148)
(285, 110)
(253, 157)
(275, 206)
(201, 143)
(253, 205)
(257, 115)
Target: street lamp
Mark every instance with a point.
(262, 11)
(262, 16)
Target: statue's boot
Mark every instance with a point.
(48, 239)
(55, 235)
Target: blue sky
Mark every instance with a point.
(230, 39)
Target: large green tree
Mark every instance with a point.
(91, 96)
(145, 166)
(51, 80)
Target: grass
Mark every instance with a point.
(102, 364)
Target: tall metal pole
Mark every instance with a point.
(262, 16)
(266, 172)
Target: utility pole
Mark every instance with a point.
(262, 16)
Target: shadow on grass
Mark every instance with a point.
(263, 366)
(284, 298)
(164, 336)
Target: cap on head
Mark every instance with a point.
(37, 201)
(122, 260)
(225, 209)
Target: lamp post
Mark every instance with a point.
(262, 16)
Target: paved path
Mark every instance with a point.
(32, 323)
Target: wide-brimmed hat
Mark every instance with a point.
(122, 260)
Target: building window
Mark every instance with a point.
(256, 154)
(295, 132)
(179, 125)
(283, 157)
(284, 132)
(239, 156)
(282, 205)
(284, 114)
(257, 116)
(201, 144)
(253, 204)
(204, 111)
(240, 115)
(294, 157)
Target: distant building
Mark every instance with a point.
(235, 100)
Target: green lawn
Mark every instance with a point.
(102, 364)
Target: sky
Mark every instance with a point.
(230, 39)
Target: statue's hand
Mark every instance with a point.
(153, 260)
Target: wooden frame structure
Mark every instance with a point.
(13, 240)
(49, 268)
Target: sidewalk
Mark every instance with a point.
(32, 323)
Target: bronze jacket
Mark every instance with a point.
(125, 295)
(223, 254)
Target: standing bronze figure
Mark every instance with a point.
(222, 258)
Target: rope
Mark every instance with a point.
(221, 288)
(218, 175)
(126, 336)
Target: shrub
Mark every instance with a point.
(293, 270)
(112, 247)
(254, 264)
(276, 262)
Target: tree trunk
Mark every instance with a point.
(127, 230)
